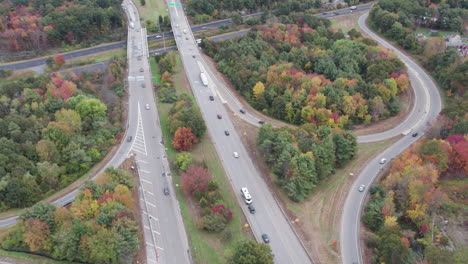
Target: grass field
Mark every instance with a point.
(152, 9)
(207, 247)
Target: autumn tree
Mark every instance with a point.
(184, 139)
(59, 60)
(183, 160)
(258, 89)
(37, 235)
(195, 180)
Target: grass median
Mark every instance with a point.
(207, 247)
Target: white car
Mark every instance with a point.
(383, 160)
(147, 107)
(158, 36)
(236, 155)
(362, 188)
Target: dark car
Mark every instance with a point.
(242, 111)
(415, 134)
(251, 209)
(324, 13)
(265, 238)
(226, 133)
(336, 13)
(129, 138)
(211, 98)
(261, 122)
(166, 191)
(219, 116)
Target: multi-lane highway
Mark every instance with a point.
(164, 232)
(152, 165)
(241, 172)
(426, 107)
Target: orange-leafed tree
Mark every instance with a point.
(37, 235)
(195, 180)
(59, 60)
(184, 139)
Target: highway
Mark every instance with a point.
(426, 107)
(164, 232)
(269, 219)
(241, 172)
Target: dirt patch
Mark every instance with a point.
(7, 260)
(406, 100)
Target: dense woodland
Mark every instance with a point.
(303, 71)
(53, 129)
(206, 10)
(99, 227)
(398, 20)
(303, 157)
(41, 24)
(408, 210)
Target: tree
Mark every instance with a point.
(195, 180)
(43, 212)
(236, 19)
(258, 89)
(184, 139)
(391, 248)
(99, 246)
(37, 235)
(213, 222)
(303, 177)
(71, 118)
(92, 108)
(67, 241)
(250, 252)
(59, 60)
(183, 160)
(143, 2)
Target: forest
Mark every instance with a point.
(424, 191)
(398, 20)
(302, 157)
(42, 24)
(53, 129)
(206, 10)
(303, 71)
(99, 227)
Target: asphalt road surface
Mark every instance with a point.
(268, 218)
(426, 108)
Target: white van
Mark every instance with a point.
(353, 8)
(245, 193)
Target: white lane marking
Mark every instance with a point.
(150, 193)
(145, 171)
(142, 161)
(146, 181)
(151, 204)
(147, 227)
(139, 145)
(156, 232)
(160, 248)
(148, 243)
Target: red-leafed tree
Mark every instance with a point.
(223, 211)
(459, 156)
(59, 60)
(195, 180)
(184, 139)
